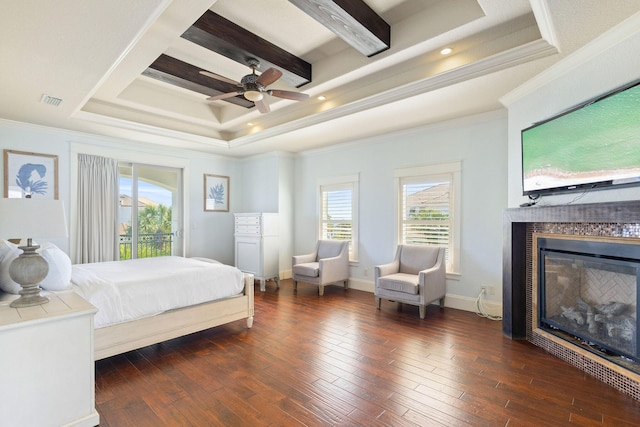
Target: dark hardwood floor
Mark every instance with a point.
(336, 360)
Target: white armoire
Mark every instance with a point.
(256, 242)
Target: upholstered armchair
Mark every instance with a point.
(416, 276)
(328, 264)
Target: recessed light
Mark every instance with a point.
(446, 51)
(322, 97)
(249, 124)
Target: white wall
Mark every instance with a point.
(608, 62)
(207, 234)
(267, 182)
(260, 187)
(478, 141)
(287, 184)
(211, 233)
(24, 137)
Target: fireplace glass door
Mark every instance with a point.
(590, 297)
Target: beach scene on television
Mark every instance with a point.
(598, 143)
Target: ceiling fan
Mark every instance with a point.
(253, 86)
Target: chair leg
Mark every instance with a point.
(378, 302)
(442, 302)
(346, 284)
(320, 290)
(423, 311)
(295, 285)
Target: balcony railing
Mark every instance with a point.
(149, 245)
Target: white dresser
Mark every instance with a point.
(47, 365)
(256, 241)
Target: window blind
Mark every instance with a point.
(337, 213)
(426, 211)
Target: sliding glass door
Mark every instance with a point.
(151, 222)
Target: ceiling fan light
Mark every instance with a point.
(253, 95)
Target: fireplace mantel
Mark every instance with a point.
(514, 260)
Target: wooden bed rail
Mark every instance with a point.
(123, 337)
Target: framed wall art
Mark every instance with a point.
(216, 193)
(30, 175)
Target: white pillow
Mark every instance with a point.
(59, 276)
(8, 252)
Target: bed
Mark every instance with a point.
(149, 300)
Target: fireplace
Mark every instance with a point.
(594, 221)
(586, 292)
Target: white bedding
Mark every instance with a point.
(128, 290)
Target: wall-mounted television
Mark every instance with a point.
(594, 145)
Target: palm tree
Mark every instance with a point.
(154, 219)
(154, 225)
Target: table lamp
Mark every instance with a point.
(31, 217)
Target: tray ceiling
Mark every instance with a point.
(132, 69)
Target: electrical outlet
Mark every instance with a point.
(488, 289)
(366, 272)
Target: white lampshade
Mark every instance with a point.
(32, 218)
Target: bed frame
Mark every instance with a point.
(123, 337)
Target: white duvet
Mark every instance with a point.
(133, 289)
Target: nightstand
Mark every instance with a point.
(47, 372)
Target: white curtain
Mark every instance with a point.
(97, 232)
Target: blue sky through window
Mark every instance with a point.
(150, 191)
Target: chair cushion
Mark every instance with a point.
(311, 269)
(330, 248)
(414, 259)
(399, 282)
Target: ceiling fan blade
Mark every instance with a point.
(219, 77)
(269, 76)
(223, 96)
(262, 106)
(287, 94)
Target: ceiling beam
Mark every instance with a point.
(222, 36)
(178, 73)
(353, 20)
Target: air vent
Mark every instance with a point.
(51, 100)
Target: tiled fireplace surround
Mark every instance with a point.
(619, 219)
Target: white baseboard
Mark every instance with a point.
(458, 302)
(361, 285)
(286, 274)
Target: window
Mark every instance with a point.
(429, 208)
(150, 211)
(339, 211)
(167, 173)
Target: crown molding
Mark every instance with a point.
(500, 61)
(621, 32)
(149, 129)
